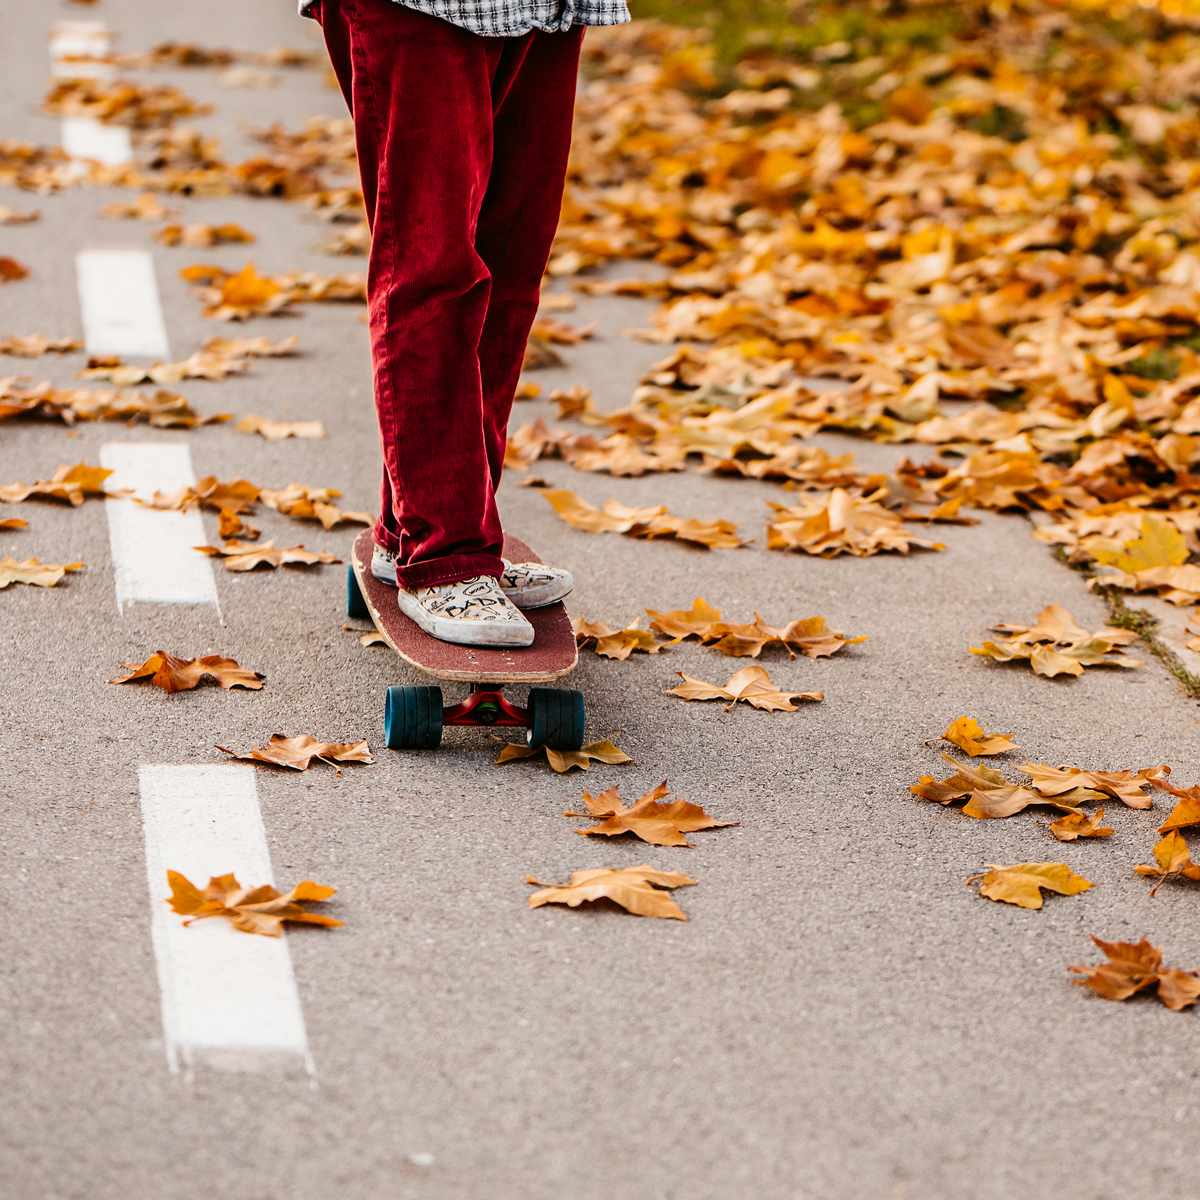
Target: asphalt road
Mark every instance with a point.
(840, 1017)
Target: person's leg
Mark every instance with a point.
(533, 94)
(420, 91)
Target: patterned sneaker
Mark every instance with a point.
(532, 585)
(472, 612)
(527, 585)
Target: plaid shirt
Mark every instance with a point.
(512, 18)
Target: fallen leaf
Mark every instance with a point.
(297, 752)
(201, 235)
(35, 345)
(751, 684)
(13, 216)
(275, 431)
(967, 735)
(1022, 884)
(11, 270)
(1171, 855)
(70, 483)
(181, 674)
(614, 643)
(991, 795)
(245, 556)
(548, 329)
(564, 760)
(235, 495)
(641, 890)
(261, 910)
(640, 522)
(230, 525)
(147, 207)
(1079, 825)
(31, 571)
(839, 523)
(1134, 966)
(1056, 645)
(13, 523)
(1186, 811)
(1160, 545)
(1125, 786)
(658, 824)
(685, 622)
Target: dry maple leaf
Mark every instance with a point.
(11, 270)
(260, 910)
(658, 824)
(297, 752)
(147, 207)
(13, 523)
(13, 216)
(641, 890)
(1173, 861)
(1056, 645)
(614, 643)
(990, 794)
(245, 556)
(275, 431)
(1022, 884)
(70, 483)
(840, 523)
(685, 622)
(656, 522)
(751, 684)
(1187, 809)
(201, 235)
(1079, 825)
(303, 503)
(235, 496)
(1133, 966)
(35, 345)
(31, 571)
(1125, 786)
(181, 674)
(967, 735)
(564, 760)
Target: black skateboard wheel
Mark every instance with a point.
(412, 718)
(356, 606)
(556, 718)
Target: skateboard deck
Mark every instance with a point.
(552, 655)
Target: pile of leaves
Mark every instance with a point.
(1056, 645)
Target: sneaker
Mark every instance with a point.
(534, 585)
(527, 585)
(471, 612)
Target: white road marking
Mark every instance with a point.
(118, 298)
(229, 998)
(152, 553)
(85, 137)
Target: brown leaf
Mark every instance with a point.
(1079, 825)
(613, 643)
(259, 910)
(13, 523)
(751, 684)
(13, 216)
(72, 484)
(685, 622)
(31, 571)
(230, 525)
(1134, 966)
(275, 431)
(1125, 786)
(1186, 812)
(181, 674)
(244, 556)
(967, 735)
(11, 270)
(564, 760)
(641, 523)
(658, 824)
(1022, 884)
(839, 523)
(201, 235)
(641, 890)
(297, 752)
(1172, 859)
(35, 345)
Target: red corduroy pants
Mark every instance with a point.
(462, 146)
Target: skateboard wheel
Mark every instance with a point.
(356, 606)
(556, 718)
(412, 718)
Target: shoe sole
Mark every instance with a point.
(463, 633)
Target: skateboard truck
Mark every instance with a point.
(485, 706)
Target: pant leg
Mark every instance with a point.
(533, 94)
(420, 91)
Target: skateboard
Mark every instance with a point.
(414, 717)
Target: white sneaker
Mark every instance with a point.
(471, 612)
(527, 585)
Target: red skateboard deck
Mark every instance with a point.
(552, 655)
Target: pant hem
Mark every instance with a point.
(448, 570)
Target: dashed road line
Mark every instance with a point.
(229, 999)
(152, 549)
(118, 300)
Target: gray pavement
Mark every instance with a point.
(840, 1017)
